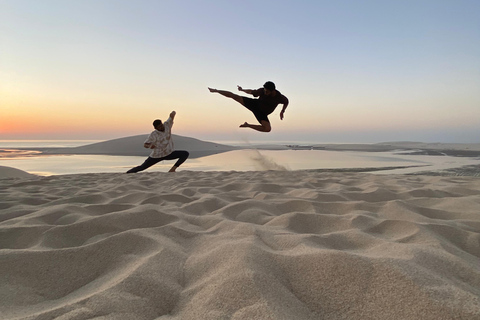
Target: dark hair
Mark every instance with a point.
(269, 85)
(157, 123)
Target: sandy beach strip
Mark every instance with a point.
(240, 245)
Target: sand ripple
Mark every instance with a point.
(240, 245)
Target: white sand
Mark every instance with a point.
(240, 245)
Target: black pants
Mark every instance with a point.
(254, 106)
(181, 155)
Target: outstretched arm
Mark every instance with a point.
(172, 115)
(249, 91)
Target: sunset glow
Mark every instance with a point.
(374, 72)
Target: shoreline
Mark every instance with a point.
(464, 171)
(131, 146)
(30, 151)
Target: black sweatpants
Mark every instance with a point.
(181, 155)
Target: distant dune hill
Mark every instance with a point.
(133, 146)
(7, 172)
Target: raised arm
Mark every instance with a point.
(170, 119)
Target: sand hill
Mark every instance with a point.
(133, 146)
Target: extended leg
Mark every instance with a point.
(147, 164)
(228, 94)
(181, 155)
(250, 104)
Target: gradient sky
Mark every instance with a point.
(354, 71)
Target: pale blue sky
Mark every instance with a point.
(354, 71)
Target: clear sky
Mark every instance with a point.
(354, 71)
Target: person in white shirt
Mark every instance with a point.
(161, 143)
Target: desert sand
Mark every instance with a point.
(240, 245)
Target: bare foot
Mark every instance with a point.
(245, 125)
(212, 90)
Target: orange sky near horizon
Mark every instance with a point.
(79, 117)
(366, 72)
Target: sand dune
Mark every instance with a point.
(133, 146)
(240, 245)
(9, 172)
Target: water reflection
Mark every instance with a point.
(240, 160)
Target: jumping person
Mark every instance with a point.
(268, 99)
(160, 140)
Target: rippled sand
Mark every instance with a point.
(240, 245)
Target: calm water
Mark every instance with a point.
(240, 160)
(44, 143)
